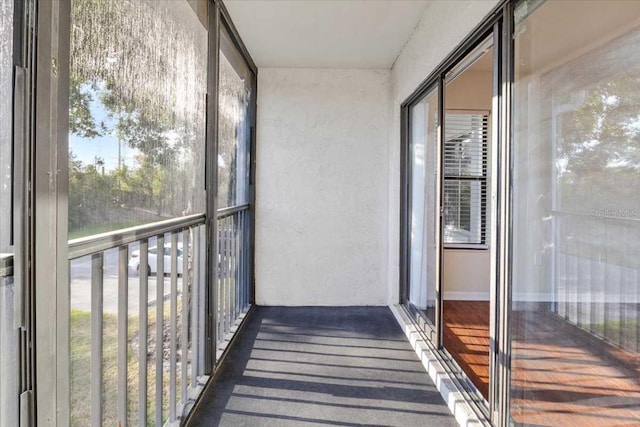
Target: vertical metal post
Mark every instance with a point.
(241, 280)
(187, 249)
(565, 256)
(248, 257)
(234, 268)
(49, 321)
(405, 203)
(495, 232)
(240, 246)
(251, 229)
(195, 303)
(159, 327)
(211, 187)
(625, 326)
(240, 284)
(20, 205)
(222, 283)
(232, 262)
(173, 328)
(504, 226)
(439, 261)
(123, 329)
(593, 288)
(227, 277)
(97, 275)
(143, 327)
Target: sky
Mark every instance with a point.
(106, 147)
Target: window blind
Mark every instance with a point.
(465, 178)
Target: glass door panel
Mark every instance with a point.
(466, 278)
(423, 205)
(234, 125)
(575, 323)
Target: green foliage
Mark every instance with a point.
(101, 201)
(81, 121)
(600, 145)
(146, 71)
(90, 191)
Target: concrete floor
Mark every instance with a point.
(295, 366)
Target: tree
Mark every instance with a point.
(146, 70)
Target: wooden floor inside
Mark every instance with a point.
(560, 376)
(466, 338)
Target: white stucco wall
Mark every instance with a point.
(322, 174)
(443, 26)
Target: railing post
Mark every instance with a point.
(123, 327)
(195, 300)
(144, 332)
(97, 263)
(173, 328)
(187, 249)
(159, 327)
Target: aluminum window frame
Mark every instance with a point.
(219, 17)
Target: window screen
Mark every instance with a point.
(465, 178)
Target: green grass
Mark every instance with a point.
(81, 368)
(102, 228)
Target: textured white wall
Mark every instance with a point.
(322, 173)
(467, 274)
(443, 26)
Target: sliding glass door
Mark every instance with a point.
(466, 183)
(423, 225)
(564, 273)
(448, 213)
(575, 315)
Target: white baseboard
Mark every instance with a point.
(467, 296)
(459, 407)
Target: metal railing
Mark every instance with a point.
(137, 324)
(233, 296)
(138, 307)
(597, 275)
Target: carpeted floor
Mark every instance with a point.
(350, 366)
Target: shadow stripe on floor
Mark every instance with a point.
(295, 384)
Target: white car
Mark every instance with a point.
(152, 267)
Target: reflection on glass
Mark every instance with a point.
(137, 112)
(576, 215)
(234, 125)
(422, 269)
(6, 96)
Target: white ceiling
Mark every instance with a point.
(325, 33)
